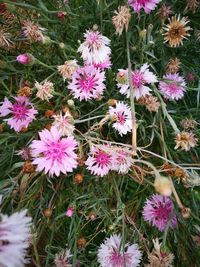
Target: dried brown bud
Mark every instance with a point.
(28, 167)
(92, 216)
(81, 242)
(48, 212)
(48, 126)
(173, 65)
(168, 168)
(1, 128)
(186, 212)
(78, 179)
(49, 113)
(112, 102)
(24, 91)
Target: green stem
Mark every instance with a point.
(89, 119)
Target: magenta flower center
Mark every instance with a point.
(93, 39)
(137, 79)
(102, 158)
(19, 111)
(120, 118)
(173, 88)
(142, 2)
(117, 259)
(163, 211)
(55, 151)
(87, 83)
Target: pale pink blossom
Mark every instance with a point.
(44, 90)
(173, 86)
(147, 5)
(87, 83)
(21, 111)
(62, 259)
(54, 154)
(141, 79)
(70, 212)
(112, 253)
(104, 65)
(64, 124)
(15, 232)
(121, 114)
(66, 70)
(95, 48)
(122, 159)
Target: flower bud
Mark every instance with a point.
(24, 59)
(186, 212)
(70, 212)
(163, 186)
(70, 103)
(78, 179)
(48, 212)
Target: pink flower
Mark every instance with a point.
(70, 212)
(95, 49)
(99, 161)
(159, 210)
(24, 59)
(15, 231)
(122, 116)
(22, 112)
(140, 79)
(62, 259)
(173, 87)
(147, 5)
(104, 65)
(112, 253)
(54, 154)
(87, 83)
(122, 159)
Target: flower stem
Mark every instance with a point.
(132, 102)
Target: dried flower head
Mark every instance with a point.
(64, 124)
(44, 90)
(24, 91)
(62, 259)
(158, 257)
(173, 66)
(33, 32)
(192, 6)
(121, 19)
(5, 41)
(150, 102)
(189, 124)
(185, 141)
(164, 12)
(176, 31)
(67, 69)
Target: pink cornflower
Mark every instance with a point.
(22, 112)
(140, 79)
(147, 5)
(62, 259)
(122, 159)
(112, 253)
(159, 211)
(100, 160)
(24, 59)
(104, 65)
(54, 154)
(87, 83)
(95, 49)
(122, 116)
(173, 86)
(15, 231)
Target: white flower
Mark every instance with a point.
(64, 124)
(45, 90)
(122, 116)
(95, 49)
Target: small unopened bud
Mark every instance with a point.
(70, 103)
(49, 113)
(70, 212)
(24, 59)
(81, 242)
(163, 186)
(62, 45)
(28, 167)
(143, 33)
(24, 91)
(112, 102)
(186, 212)
(95, 27)
(48, 212)
(92, 216)
(78, 179)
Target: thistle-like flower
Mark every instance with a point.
(185, 141)
(173, 66)
(67, 69)
(44, 90)
(33, 32)
(121, 19)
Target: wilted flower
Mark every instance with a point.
(189, 124)
(164, 12)
(185, 141)
(173, 65)
(33, 32)
(112, 254)
(54, 154)
(176, 31)
(67, 69)
(25, 153)
(44, 90)
(24, 59)
(140, 79)
(87, 83)
(62, 259)
(100, 160)
(159, 211)
(192, 5)
(64, 124)
(121, 115)
(24, 91)
(95, 49)
(173, 86)
(15, 231)
(22, 112)
(121, 19)
(160, 257)
(147, 5)
(150, 102)
(5, 41)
